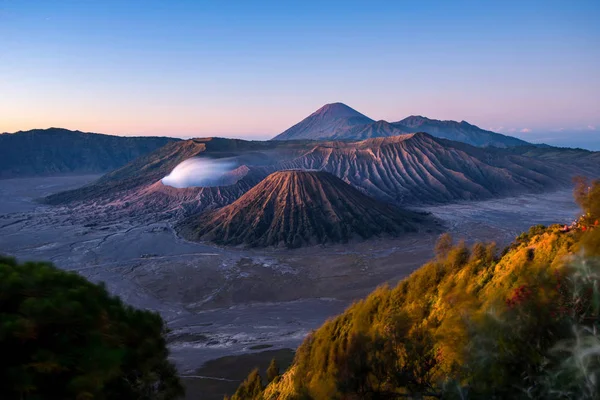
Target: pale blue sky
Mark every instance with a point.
(252, 69)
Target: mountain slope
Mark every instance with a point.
(368, 131)
(418, 168)
(328, 121)
(296, 208)
(457, 131)
(59, 151)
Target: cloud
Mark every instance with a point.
(498, 129)
(512, 130)
(591, 127)
(525, 130)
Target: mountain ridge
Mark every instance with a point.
(419, 168)
(341, 122)
(55, 151)
(458, 131)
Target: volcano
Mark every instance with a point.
(299, 208)
(329, 121)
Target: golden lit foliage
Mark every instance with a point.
(587, 195)
(412, 338)
(468, 324)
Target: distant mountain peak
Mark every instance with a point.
(327, 122)
(337, 110)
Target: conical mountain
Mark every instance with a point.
(298, 208)
(329, 121)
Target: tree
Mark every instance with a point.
(457, 256)
(273, 371)
(587, 195)
(251, 388)
(74, 340)
(443, 245)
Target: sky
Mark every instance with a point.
(253, 69)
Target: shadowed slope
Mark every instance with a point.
(296, 208)
(373, 130)
(457, 131)
(55, 151)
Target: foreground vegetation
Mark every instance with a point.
(470, 324)
(62, 337)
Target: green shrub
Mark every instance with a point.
(62, 337)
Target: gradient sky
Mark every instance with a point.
(252, 69)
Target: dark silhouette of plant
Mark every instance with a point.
(62, 337)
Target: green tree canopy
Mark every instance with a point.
(62, 337)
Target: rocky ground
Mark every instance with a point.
(222, 301)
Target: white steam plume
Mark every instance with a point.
(196, 172)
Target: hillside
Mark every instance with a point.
(368, 131)
(468, 325)
(55, 151)
(418, 168)
(457, 131)
(574, 156)
(297, 208)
